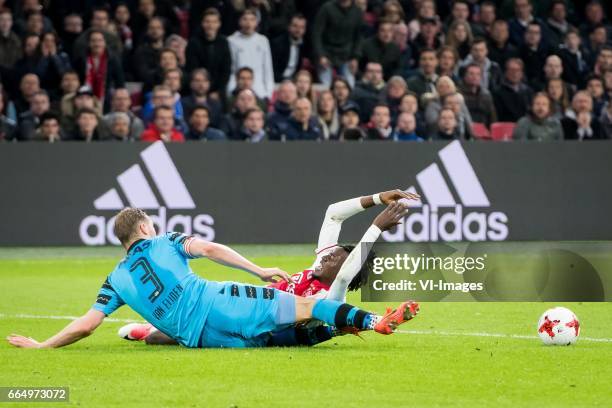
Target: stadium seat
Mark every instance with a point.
(480, 131)
(502, 130)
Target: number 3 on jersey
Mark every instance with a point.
(148, 276)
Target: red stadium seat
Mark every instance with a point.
(480, 131)
(502, 130)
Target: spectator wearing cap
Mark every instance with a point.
(289, 49)
(327, 112)
(405, 131)
(278, 120)
(368, 91)
(253, 130)
(99, 67)
(383, 50)
(349, 119)
(208, 49)
(29, 120)
(251, 49)
(121, 103)
(426, 77)
(513, 96)
(302, 125)
(83, 99)
(162, 128)
(87, 127)
(539, 125)
(380, 127)
(49, 129)
(579, 122)
(478, 100)
(199, 87)
(199, 126)
(336, 37)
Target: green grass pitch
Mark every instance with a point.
(441, 363)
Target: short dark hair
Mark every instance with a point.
(126, 223)
(248, 11)
(251, 111)
(50, 115)
(162, 108)
(211, 11)
(479, 40)
(362, 277)
(85, 111)
(242, 69)
(198, 108)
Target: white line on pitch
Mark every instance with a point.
(425, 332)
(28, 316)
(506, 336)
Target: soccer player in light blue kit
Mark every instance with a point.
(155, 280)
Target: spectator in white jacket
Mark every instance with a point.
(251, 49)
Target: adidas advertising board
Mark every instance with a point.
(441, 217)
(68, 193)
(167, 216)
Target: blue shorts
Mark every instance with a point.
(244, 315)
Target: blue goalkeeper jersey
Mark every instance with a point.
(156, 281)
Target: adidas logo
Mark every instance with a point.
(138, 192)
(434, 222)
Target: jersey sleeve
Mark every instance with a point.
(181, 243)
(332, 224)
(108, 300)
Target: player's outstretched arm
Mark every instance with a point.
(390, 217)
(75, 331)
(338, 212)
(227, 256)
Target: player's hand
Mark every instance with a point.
(391, 216)
(392, 196)
(23, 342)
(270, 275)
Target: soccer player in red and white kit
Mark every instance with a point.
(336, 269)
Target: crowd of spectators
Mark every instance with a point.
(255, 70)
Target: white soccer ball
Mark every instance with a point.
(559, 326)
